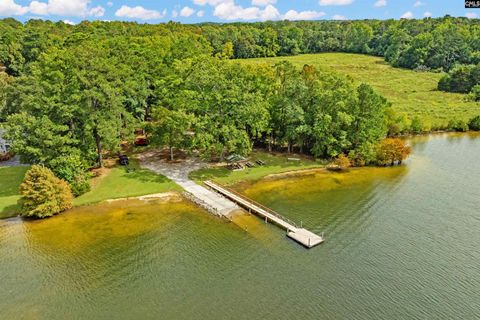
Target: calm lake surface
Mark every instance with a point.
(402, 243)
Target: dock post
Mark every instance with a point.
(308, 242)
(266, 219)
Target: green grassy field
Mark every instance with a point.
(274, 163)
(10, 180)
(414, 93)
(122, 184)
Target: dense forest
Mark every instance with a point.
(71, 94)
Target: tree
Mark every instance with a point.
(42, 194)
(391, 151)
(171, 128)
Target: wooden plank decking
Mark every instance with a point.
(301, 235)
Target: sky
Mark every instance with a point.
(195, 11)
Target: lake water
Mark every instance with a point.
(402, 243)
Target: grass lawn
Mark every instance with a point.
(414, 93)
(274, 163)
(10, 180)
(119, 183)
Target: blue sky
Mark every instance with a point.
(193, 11)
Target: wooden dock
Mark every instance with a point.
(299, 234)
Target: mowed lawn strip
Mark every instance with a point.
(411, 92)
(274, 163)
(119, 183)
(10, 180)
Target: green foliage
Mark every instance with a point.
(474, 123)
(171, 128)
(457, 125)
(42, 194)
(72, 169)
(462, 79)
(475, 93)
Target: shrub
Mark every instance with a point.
(397, 123)
(43, 194)
(342, 162)
(457, 125)
(474, 123)
(362, 156)
(391, 151)
(417, 125)
(72, 169)
(461, 78)
(475, 93)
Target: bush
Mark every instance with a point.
(72, 169)
(474, 123)
(461, 79)
(417, 125)
(391, 151)
(43, 194)
(457, 125)
(475, 93)
(342, 162)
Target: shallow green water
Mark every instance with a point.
(402, 243)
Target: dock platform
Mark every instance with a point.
(299, 234)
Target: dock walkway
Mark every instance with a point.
(301, 235)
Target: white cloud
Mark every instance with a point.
(211, 2)
(228, 10)
(69, 22)
(10, 8)
(186, 12)
(427, 14)
(139, 12)
(263, 3)
(339, 17)
(200, 13)
(69, 8)
(39, 8)
(335, 2)
(98, 11)
(418, 4)
(407, 15)
(380, 3)
(303, 15)
(471, 15)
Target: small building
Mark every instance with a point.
(4, 144)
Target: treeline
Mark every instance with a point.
(430, 44)
(436, 44)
